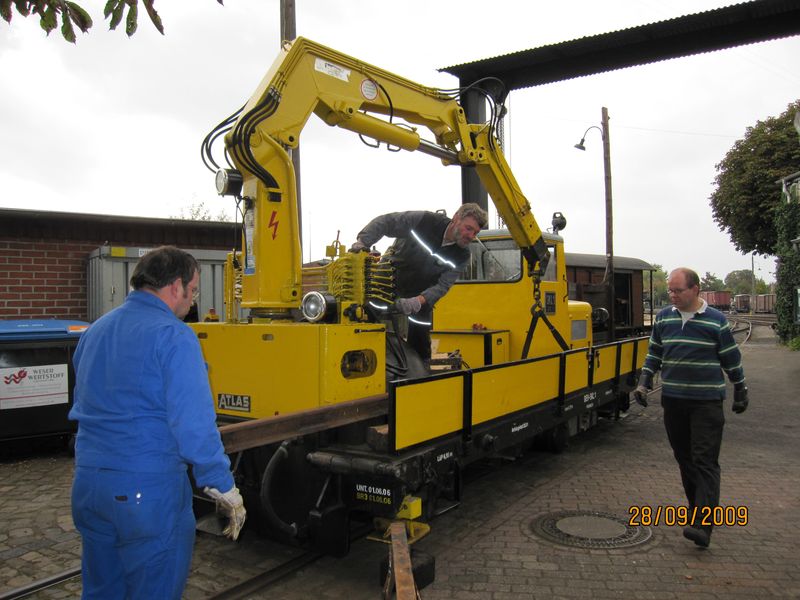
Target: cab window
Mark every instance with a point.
(500, 261)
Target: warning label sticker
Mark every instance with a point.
(332, 69)
(369, 89)
(23, 387)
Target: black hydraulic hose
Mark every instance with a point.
(266, 481)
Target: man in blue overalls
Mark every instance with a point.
(145, 412)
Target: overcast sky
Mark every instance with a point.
(113, 125)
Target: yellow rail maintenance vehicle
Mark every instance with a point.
(324, 410)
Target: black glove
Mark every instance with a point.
(645, 383)
(740, 401)
(358, 247)
(640, 395)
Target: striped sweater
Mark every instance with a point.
(692, 356)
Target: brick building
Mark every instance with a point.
(44, 255)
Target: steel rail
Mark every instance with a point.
(40, 584)
(262, 580)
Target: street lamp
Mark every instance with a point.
(608, 279)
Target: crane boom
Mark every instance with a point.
(345, 92)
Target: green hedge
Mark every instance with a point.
(787, 223)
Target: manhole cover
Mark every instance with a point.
(587, 529)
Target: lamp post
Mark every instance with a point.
(609, 274)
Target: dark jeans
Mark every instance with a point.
(694, 429)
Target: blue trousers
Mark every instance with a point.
(137, 530)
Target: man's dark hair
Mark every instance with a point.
(692, 278)
(162, 266)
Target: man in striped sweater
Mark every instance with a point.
(692, 344)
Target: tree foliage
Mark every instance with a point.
(788, 226)
(199, 212)
(660, 296)
(741, 282)
(747, 198)
(736, 282)
(711, 282)
(73, 16)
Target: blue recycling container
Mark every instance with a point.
(37, 377)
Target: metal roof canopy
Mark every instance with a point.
(118, 230)
(745, 23)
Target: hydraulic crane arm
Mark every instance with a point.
(309, 78)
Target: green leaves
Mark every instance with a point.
(746, 199)
(79, 16)
(130, 22)
(5, 10)
(73, 16)
(115, 9)
(151, 12)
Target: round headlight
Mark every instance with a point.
(316, 306)
(228, 182)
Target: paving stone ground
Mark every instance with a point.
(484, 549)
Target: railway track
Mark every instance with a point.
(41, 584)
(744, 324)
(239, 591)
(264, 580)
(761, 319)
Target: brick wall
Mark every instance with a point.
(43, 279)
(44, 255)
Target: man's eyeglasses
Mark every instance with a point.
(676, 291)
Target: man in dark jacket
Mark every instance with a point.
(428, 255)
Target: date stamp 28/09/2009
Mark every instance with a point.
(700, 516)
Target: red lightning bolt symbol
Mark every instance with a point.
(273, 223)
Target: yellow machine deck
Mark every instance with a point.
(328, 416)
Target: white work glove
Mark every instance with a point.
(231, 505)
(409, 306)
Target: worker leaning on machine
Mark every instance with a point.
(145, 412)
(428, 255)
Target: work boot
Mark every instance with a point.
(701, 537)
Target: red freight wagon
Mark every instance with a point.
(719, 300)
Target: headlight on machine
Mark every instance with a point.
(317, 306)
(228, 182)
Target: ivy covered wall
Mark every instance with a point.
(787, 224)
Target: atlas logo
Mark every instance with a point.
(233, 402)
(15, 377)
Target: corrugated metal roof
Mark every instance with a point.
(42, 224)
(744, 23)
